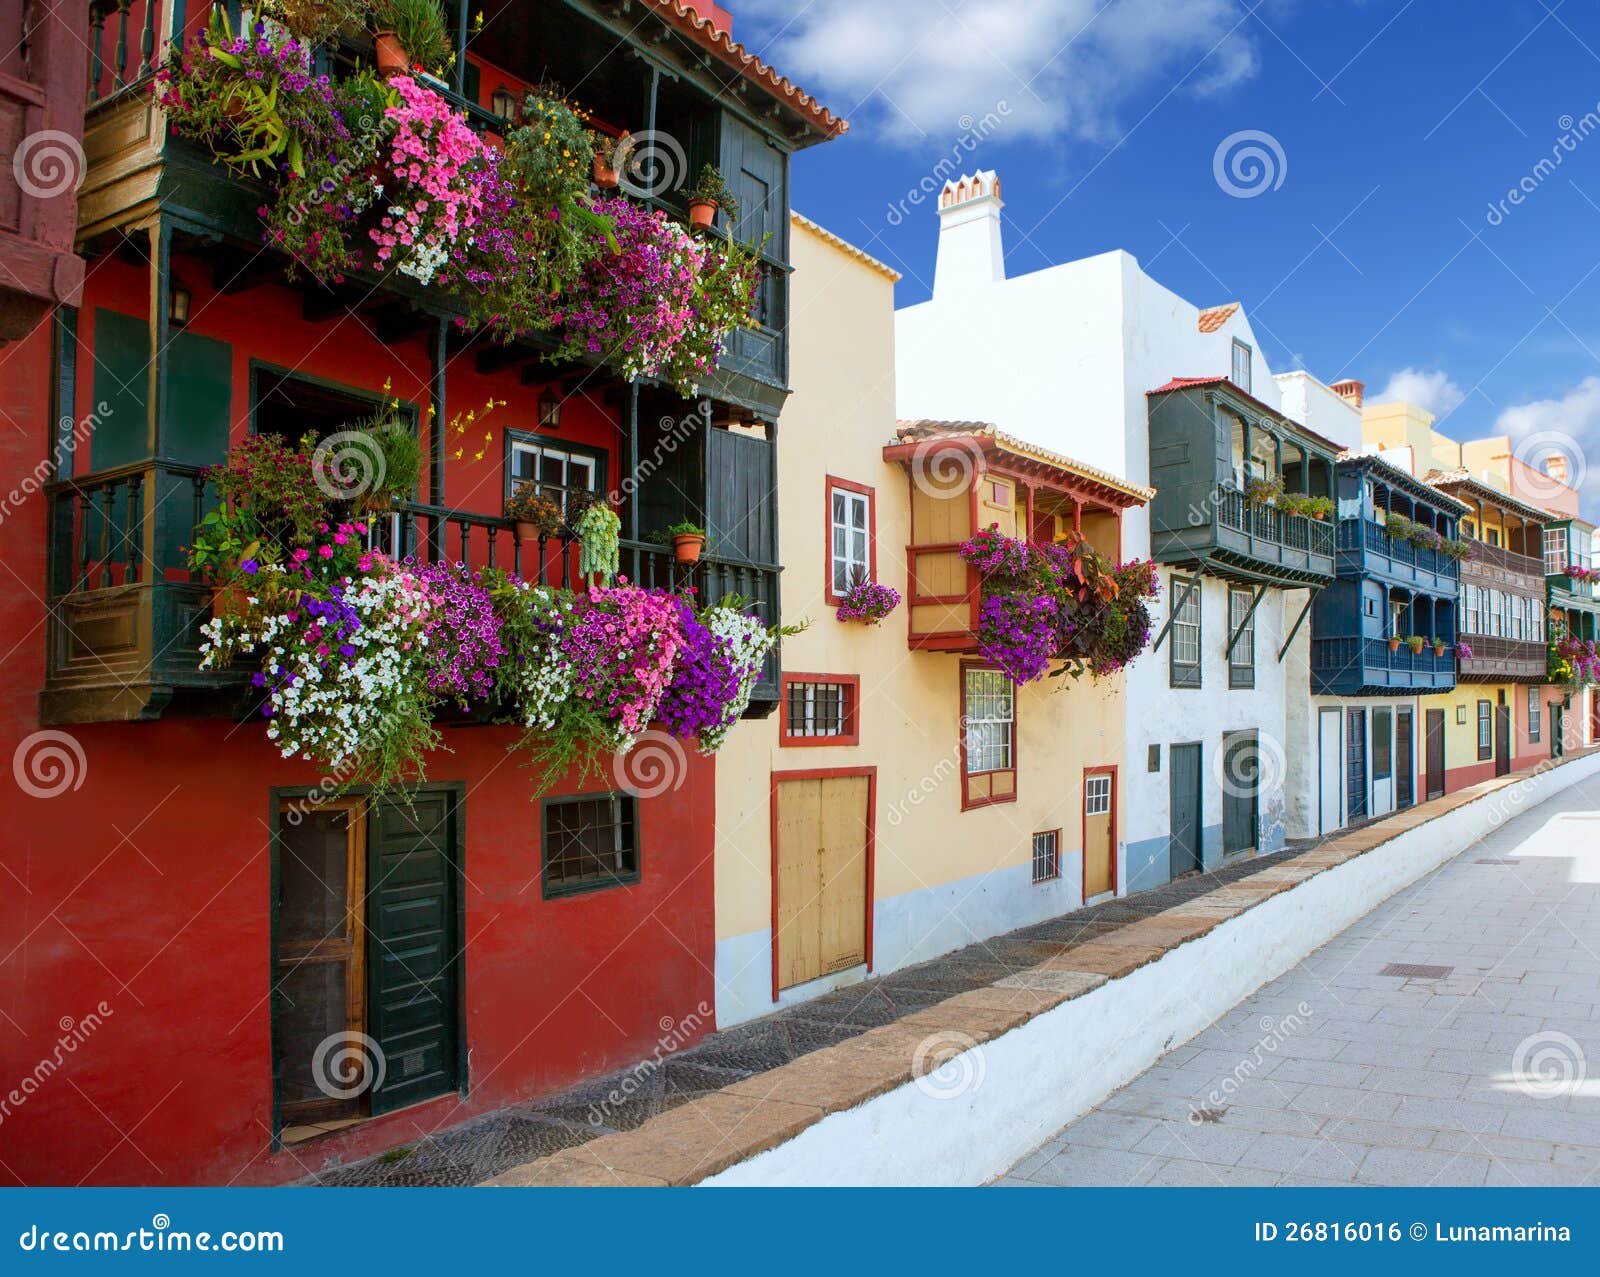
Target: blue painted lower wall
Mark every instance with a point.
(1149, 861)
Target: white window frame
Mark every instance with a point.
(1535, 715)
(1243, 656)
(1555, 551)
(1097, 794)
(539, 449)
(1185, 631)
(1241, 380)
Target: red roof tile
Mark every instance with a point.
(1216, 316)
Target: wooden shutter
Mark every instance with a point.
(414, 953)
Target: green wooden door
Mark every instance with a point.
(1240, 792)
(414, 959)
(199, 394)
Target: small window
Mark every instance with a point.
(989, 738)
(557, 470)
(1242, 660)
(1555, 551)
(1494, 536)
(589, 843)
(851, 553)
(1047, 855)
(1096, 795)
(819, 709)
(1485, 730)
(1535, 715)
(1241, 365)
(1185, 649)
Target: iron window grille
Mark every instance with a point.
(1047, 855)
(819, 709)
(589, 843)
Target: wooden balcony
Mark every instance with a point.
(1367, 666)
(1502, 660)
(1366, 549)
(124, 618)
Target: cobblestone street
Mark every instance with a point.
(1451, 1037)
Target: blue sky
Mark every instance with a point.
(1376, 256)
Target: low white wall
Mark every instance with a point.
(1031, 1081)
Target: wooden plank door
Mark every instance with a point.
(414, 951)
(821, 827)
(1405, 761)
(318, 977)
(1240, 793)
(1099, 832)
(1355, 744)
(1183, 855)
(1502, 737)
(1435, 753)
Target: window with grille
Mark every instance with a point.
(1185, 635)
(1242, 660)
(590, 842)
(819, 710)
(849, 536)
(1047, 855)
(991, 721)
(1535, 713)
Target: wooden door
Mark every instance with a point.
(1355, 767)
(1241, 770)
(1405, 759)
(319, 978)
(821, 853)
(1435, 753)
(1502, 737)
(1099, 832)
(1183, 855)
(1330, 807)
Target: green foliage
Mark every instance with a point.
(710, 188)
(419, 26)
(683, 528)
(598, 530)
(528, 505)
(401, 452)
(315, 21)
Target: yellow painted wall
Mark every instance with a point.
(837, 421)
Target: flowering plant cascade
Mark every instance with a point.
(868, 601)
(1574, 660)
(1064, 603)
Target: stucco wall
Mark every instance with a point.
(943, 877)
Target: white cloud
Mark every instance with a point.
(1570, 425)
(915, 68)
(1431, 391)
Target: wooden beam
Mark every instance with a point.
(398, 322)
(493, 358)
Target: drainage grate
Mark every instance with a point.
(1416, 971)
(1491, 860)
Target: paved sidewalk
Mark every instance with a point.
(1483, 1070)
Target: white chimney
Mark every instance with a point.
(970, 253)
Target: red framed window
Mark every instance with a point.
(852, 534)
(988, 737)
(820, 709)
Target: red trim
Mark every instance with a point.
(825, 773)
(1083, 811)
(852, 711)
(968, 804)
(862, 490)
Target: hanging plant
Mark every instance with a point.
(868, 601)
(598, 529)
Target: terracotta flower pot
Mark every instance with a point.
(1394, 645)
(605, 176)
(527, 532)
(229, 600)
(390, 54)
(686, 549)
(702, 213)
(1438, 649)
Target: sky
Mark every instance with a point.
(1344, 168)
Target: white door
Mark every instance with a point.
(1330, 771)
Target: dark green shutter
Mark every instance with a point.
(414, 947)
(199, 389)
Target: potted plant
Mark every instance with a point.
(1438, 646)
(604, 167)
(709, 193)
(407, 34)
(1318, 508)
(1397, 526)
(1265, 490)
(1394, 642)
(1463, 651)
(391, 464)
(534, 514)
(1415, 642)
(867, 601)
(686, 539)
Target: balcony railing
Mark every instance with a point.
(1495, 556)
(1496, 658)
(125, 615)
(1267, 523)
(1401, 558)
(1347, 665)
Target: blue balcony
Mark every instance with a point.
(1367, 666)
(1365, 549)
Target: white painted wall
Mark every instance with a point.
(1063, 357)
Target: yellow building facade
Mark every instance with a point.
(905, 801)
